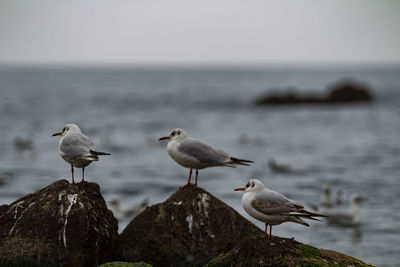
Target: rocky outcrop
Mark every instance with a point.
(256, 251)
(193, 228)
(69, 225)
(342, 91)
(189, 228)
(61, 225)
(349, 91)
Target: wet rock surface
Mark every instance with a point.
(256, 251)
(342, 91)
(189, 228)
(61, 225)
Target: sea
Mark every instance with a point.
(124, 110)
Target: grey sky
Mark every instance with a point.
(203, 31)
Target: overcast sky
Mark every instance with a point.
(203, 31)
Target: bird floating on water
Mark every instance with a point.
(77, 149)
(349, 217)
(193, 154)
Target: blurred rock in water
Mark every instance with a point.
(342, 91)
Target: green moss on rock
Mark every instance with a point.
(256, 251)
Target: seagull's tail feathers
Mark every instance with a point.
(297, 219)
(244, 162)
(90, 158)
(304, 214)
(313, 214)
(98, 153)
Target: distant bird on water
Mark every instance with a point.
(349, 217)
(77, 149)
(272, 207)
(193, 154)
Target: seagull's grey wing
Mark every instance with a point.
(274, 203)
(202, 152)
(76, 145)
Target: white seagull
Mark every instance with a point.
(272, 207)
(327, 200)
(193, 154)
(349, 217)
(77, 149)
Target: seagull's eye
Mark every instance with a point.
(173, 133)
(247, 185)
(64, 129)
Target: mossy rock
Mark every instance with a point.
(256, 251)
(188, 229)
(62, 224)
(125, 264)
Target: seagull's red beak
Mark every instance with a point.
(240, 189)
(59, 133)
(164, 138)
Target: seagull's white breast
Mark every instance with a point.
(181, 158)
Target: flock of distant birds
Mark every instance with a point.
(263, 204)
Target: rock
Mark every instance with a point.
(61, 225)
(256, 251)
(189, 228)
(125, 264)
(287, 96)
(343, 91)
(349, 90)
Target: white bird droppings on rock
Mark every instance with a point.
(189, 219)
(72, 200)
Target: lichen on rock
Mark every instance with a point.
(189, 228)
(63, 224)
(256, 251)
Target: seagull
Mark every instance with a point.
(272, 207)
(349, 217)
(327, 200)
(77, 149)
(193, 154)
(278, 167)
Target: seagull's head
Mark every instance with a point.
(68, 128)
(355, 198)
(176, 134)
(327, 190)
(252, 185)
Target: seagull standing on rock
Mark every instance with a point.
(193, 154)
(272, 207)
(77, 149)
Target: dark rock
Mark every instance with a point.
(349, 91)
(61, 225)
(256, 251)
(125, 264)
(343, 91)
(189, 228)
(288, 96)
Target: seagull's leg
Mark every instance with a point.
(83, 174)
(72, 170)
(190, 176)
(266, 231)
(270, 232)
(197, 175)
